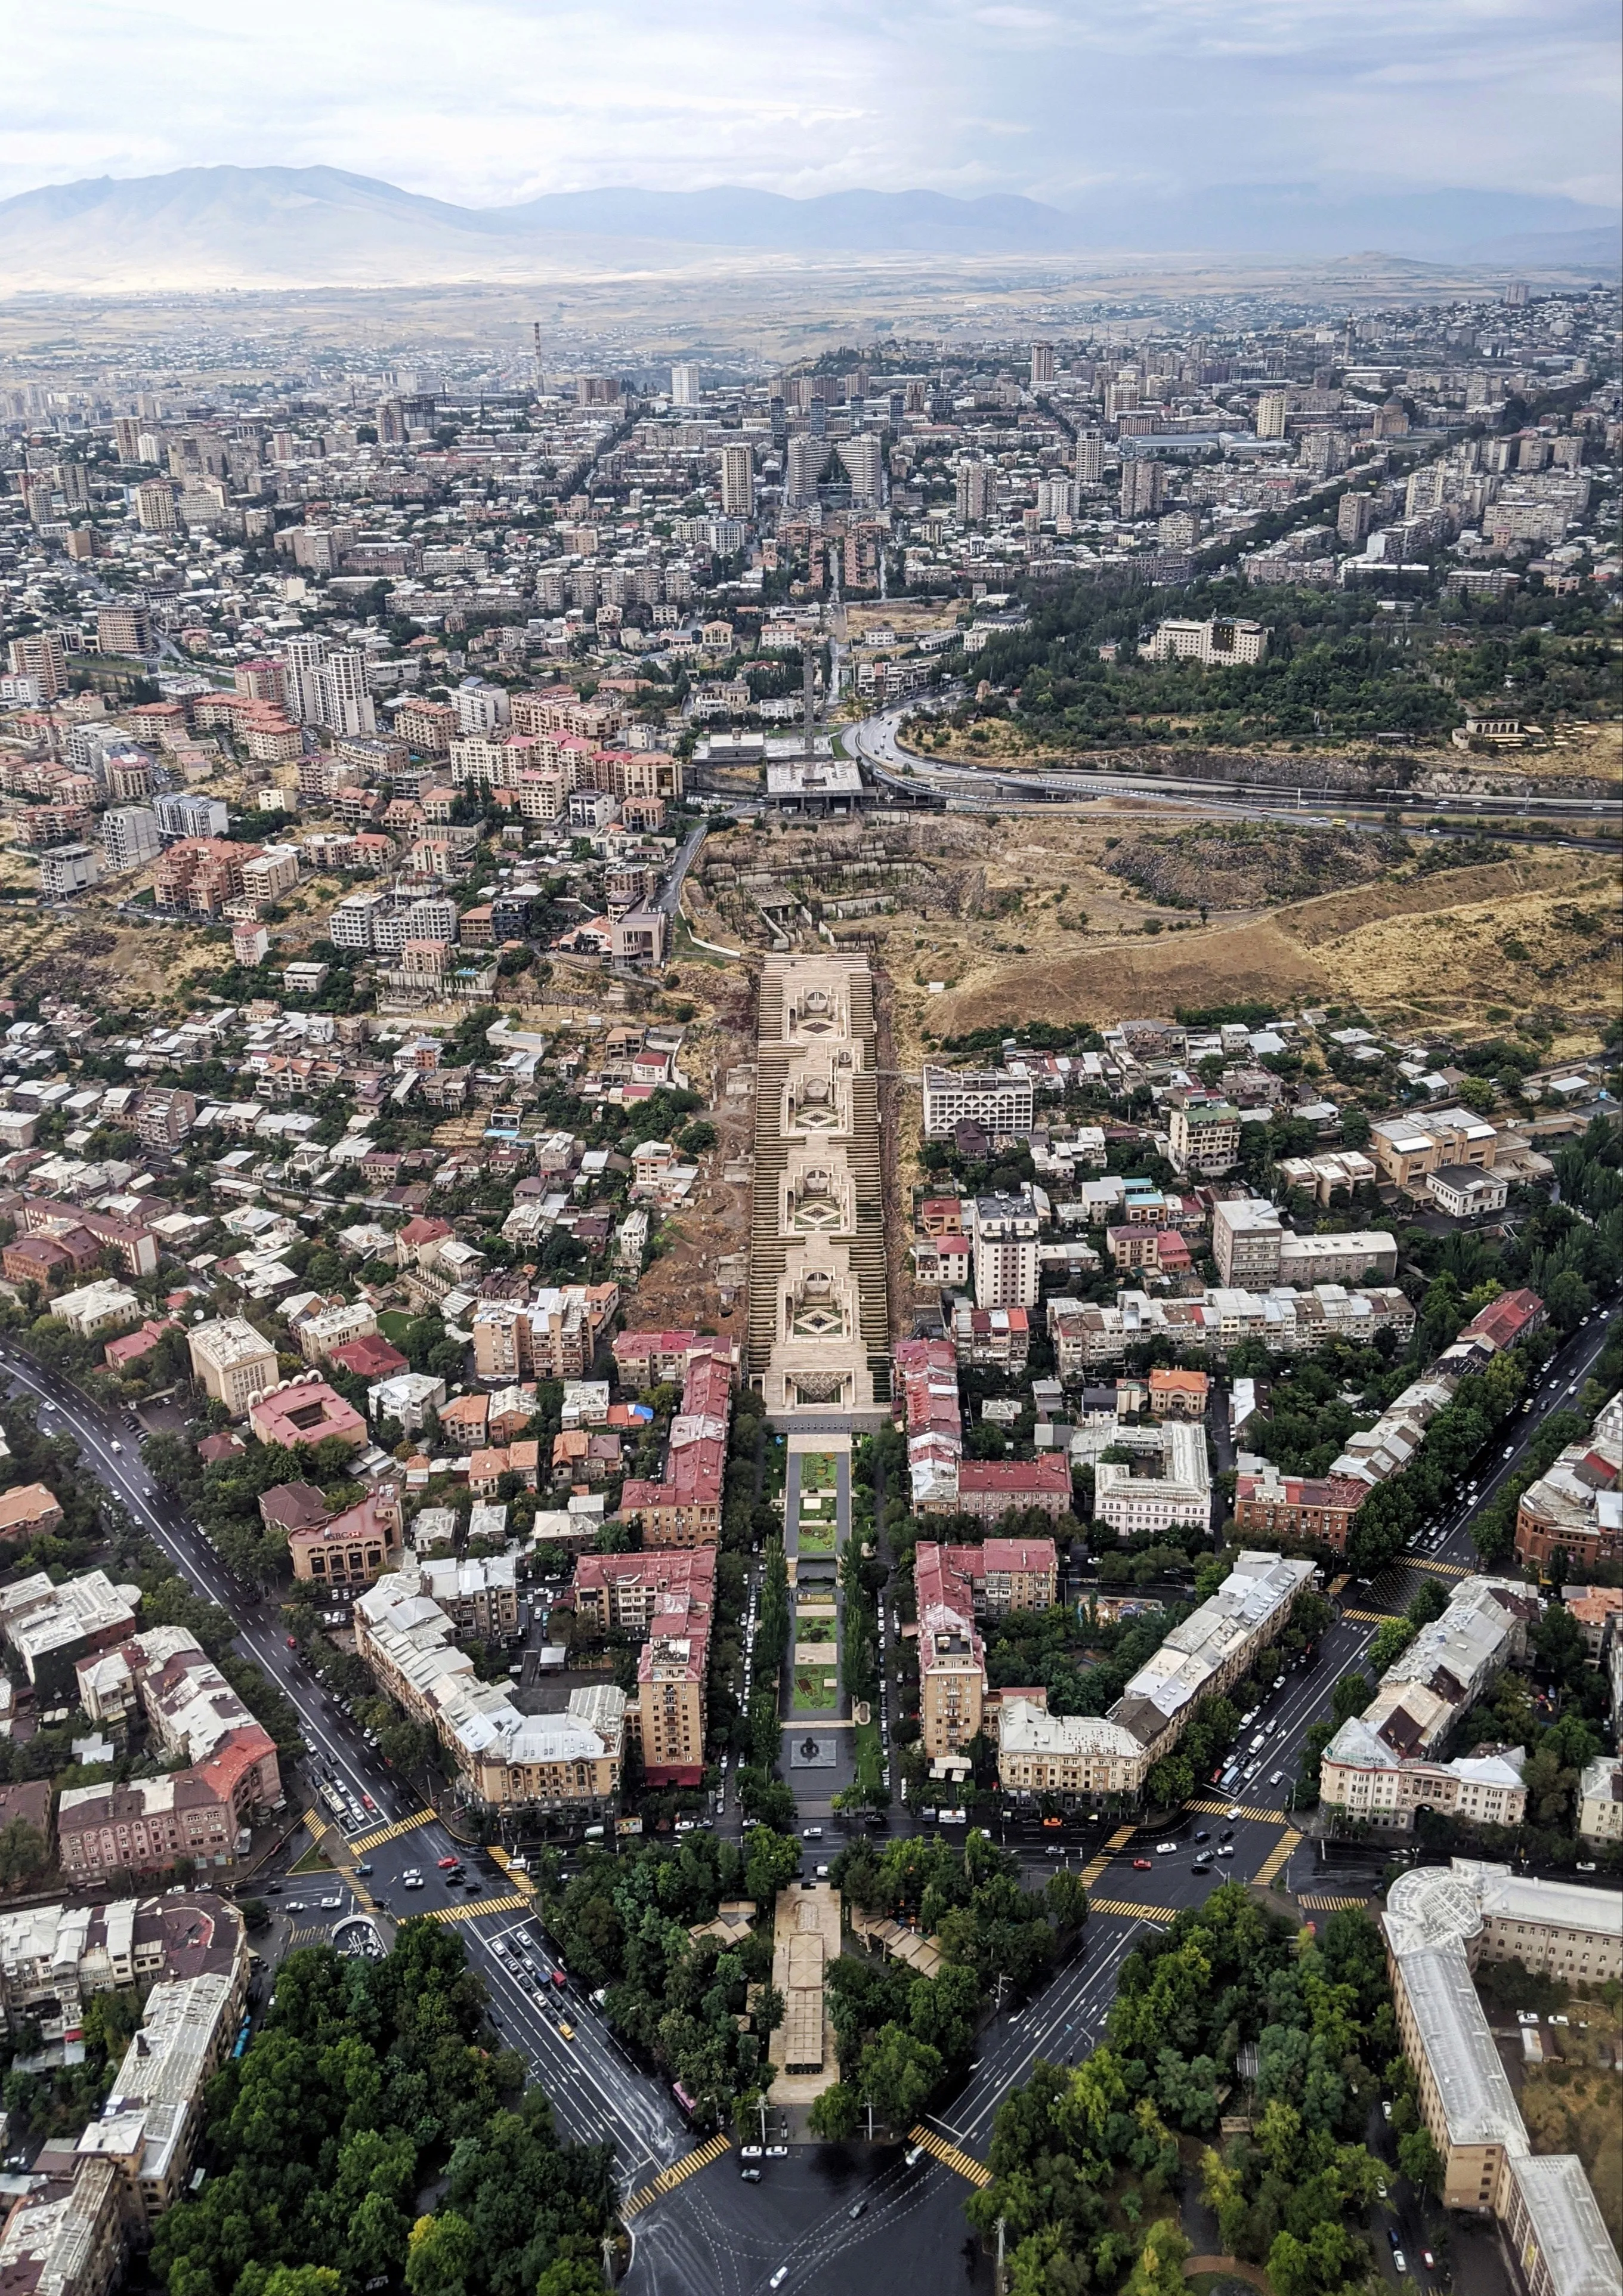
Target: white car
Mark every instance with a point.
(1165, 1848)
(1527, 2017)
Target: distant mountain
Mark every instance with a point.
(275, 228)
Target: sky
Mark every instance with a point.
(483, 102)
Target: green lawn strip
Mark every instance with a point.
(814, 1692)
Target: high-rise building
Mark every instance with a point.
(862, 463)
(686, 390)
(43, 656)
(1041, 364)
(302, 663)
(1090, 457)
(130, 836)
(124, 627)
(155, 506)
(737, 480)
(126, 436)
(1006, 1234)
(974, 492)
(1353, 519)
(802, 470)
(1271, 414)
(1143, 489)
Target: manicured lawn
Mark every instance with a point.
(394, 1325)
(816, 1693)
(819, 1471)
(870, 1757)
(817, 1537)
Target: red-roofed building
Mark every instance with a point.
(418, 1236)
(941, 1215)
(370, 1359)
(464, 1419)
(1319, 1510)
(1178, 1394)
(121, 1355)
(307, 1410)
(684, 1509)
(645, 1359)
(988, 1488)
(952, 1657)
(1506, 1319)
(1007, 1574)
(354, 1548)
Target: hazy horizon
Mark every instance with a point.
(502, 100)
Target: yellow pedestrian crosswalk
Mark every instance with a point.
(307, 1933)
(514, 1904)
(520, 1880)
(1429, 1563)
(1334, 1905)
(951, 2156)
(669, 2178)
(1276, 1858)
(1369, 1617)
(333, 1846)
(1222, 1809)
(363, 1842)
(1096, 1865)
(1119, 1906)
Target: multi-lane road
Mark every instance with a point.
(851, 2219)
(598, 2090)
(877, 742)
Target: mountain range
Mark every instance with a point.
(281, 227)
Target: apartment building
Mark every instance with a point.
(952, 1657)
(554, 1335)
(197, 875)
(1576, 1507)
(925, 1382)
(1246, 1236)
(1203, 1137)
(1221, 643)
(625, 1591)
(130, 837)
(321, 1335)
(564, 1763)
(478, 1594)
(1007, 1230)
(1366, 1256)
(149, 2124)
(1080, 1761)
(683, 1507)
(1386, 1763)
(233, 1362)
(1211, 1650)
(1166, 1485)
(1002, 1575)
(1600, 1801)
(1316, 1510)
(1438, 1925)
(26, 1510)
(989, 1488)
(51, 1627)
(1365, 1784)
(999, 1103)
(645, 1359)
(1407, 1149)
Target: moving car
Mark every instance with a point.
(449, 1865)
(566, 2031)
(749, 2174)
(1143, 1865)
(1165, 1848)
(1400, 2263)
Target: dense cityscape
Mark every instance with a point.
(811, 1216)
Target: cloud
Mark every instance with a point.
(496, 100)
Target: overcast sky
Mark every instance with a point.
(486, 101)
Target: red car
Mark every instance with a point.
(292, 1641)
(448, 1864)
(1143, 1865)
